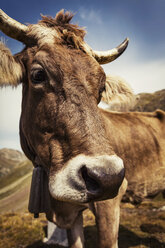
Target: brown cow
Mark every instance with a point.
(61, 128)
(63, 131)
(139, 139)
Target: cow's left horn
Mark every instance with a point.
(12, 28)
(104, 57)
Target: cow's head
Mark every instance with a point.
(61, 126)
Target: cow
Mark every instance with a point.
(79, 147)
(139, 139)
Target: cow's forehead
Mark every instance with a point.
(44, 35)
(50, 31)
(56, 54)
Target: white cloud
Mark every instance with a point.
(91, 15)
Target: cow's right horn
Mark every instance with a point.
(13, 29)
(104, 57)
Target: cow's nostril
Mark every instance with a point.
(91, 184)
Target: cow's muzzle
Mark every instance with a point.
(86, 179)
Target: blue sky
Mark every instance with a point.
(107, 24)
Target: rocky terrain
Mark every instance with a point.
(148, 102)
(143, 102)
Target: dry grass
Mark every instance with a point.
(140, 227)
(20, 230)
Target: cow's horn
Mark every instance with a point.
(104, 57)
(12, 28)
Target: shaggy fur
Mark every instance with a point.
(118, 94)
(10, 69)
(58, 30)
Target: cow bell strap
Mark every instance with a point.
(39, 200)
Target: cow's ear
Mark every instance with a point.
(116, 89)
(10, 68)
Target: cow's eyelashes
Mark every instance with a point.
(38, 76)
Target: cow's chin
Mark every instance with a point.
(64, 214)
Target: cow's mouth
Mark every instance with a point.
(63, 214)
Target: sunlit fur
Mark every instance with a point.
(10, 69)
(58, 30)
(117, 92)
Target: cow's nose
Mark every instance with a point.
(87, 178)
(103, 179)
(90, 179)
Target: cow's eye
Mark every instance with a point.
(101, 90)
(38, 76)
(102, 84)
(100, 93)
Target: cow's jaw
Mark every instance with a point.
(63, 214)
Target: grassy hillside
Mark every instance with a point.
(16, 199)
(15, 179)
(148, 102)
(10, 160)
(19, 171)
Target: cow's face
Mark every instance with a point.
(61, 127)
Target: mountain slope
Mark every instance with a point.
(9, 160)
(15, 179)
(148, 102)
